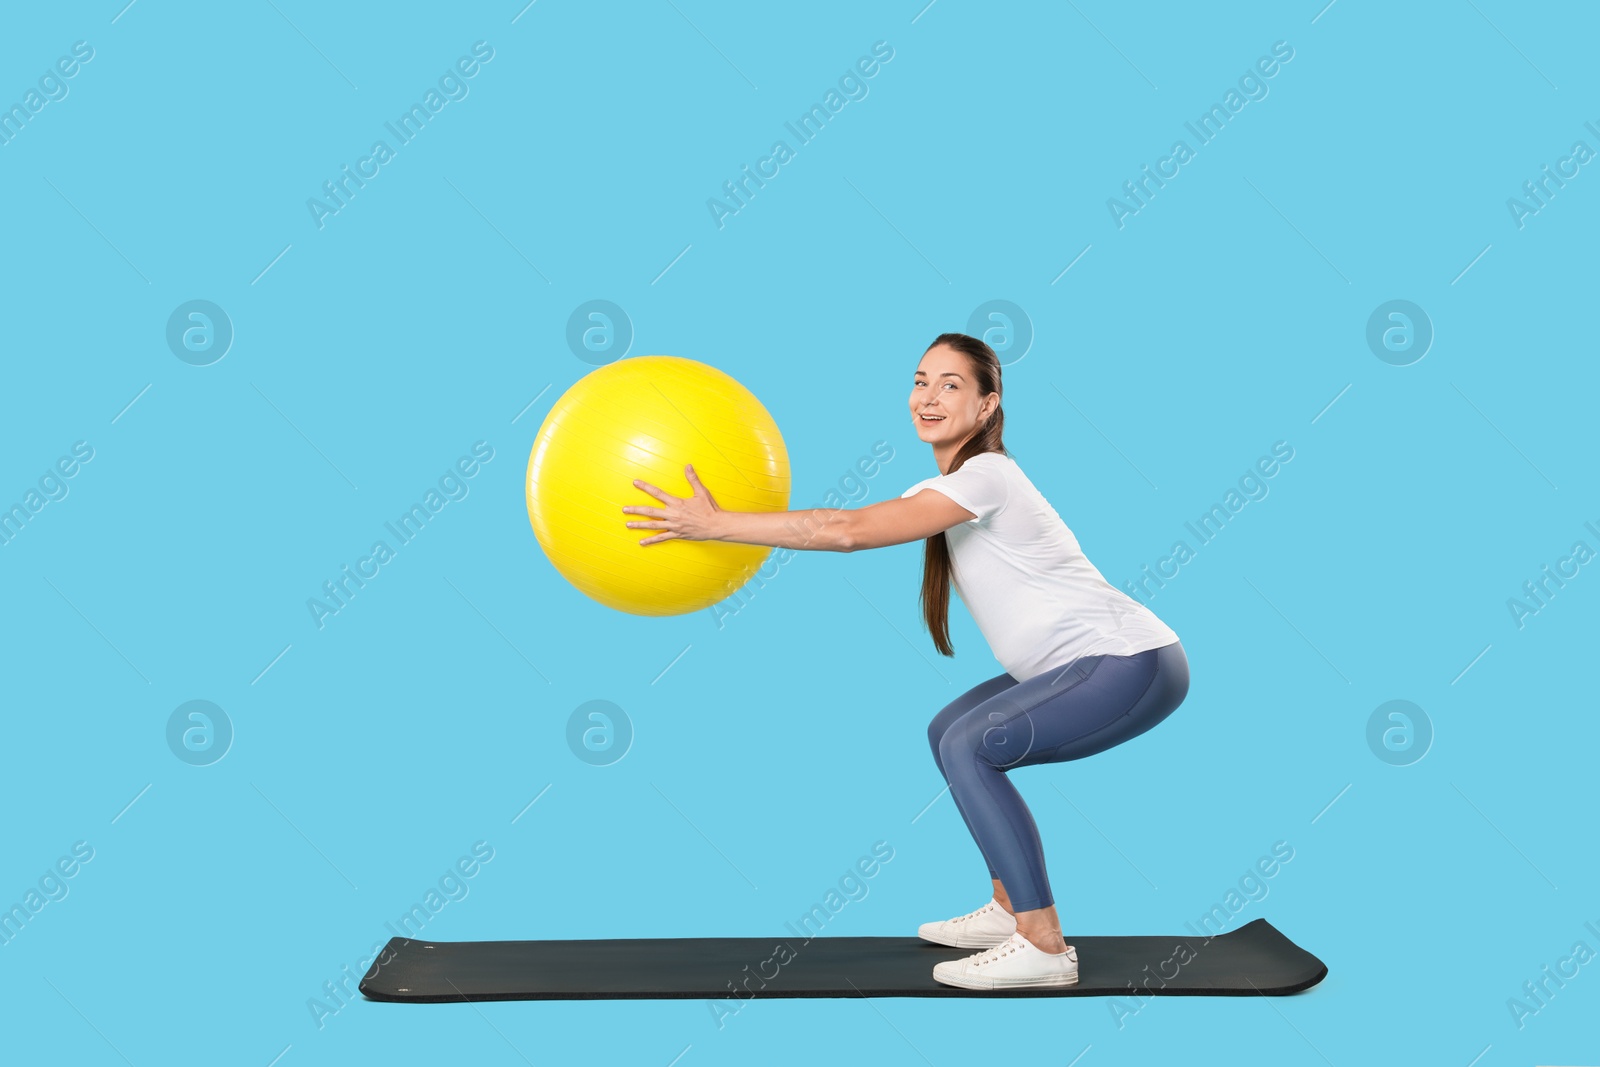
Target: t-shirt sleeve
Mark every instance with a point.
(979, 485)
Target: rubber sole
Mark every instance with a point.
(1054, 981)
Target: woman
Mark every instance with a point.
(1086, 666)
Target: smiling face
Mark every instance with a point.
(945, 405)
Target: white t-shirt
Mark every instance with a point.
(1035, 597)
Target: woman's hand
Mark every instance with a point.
(689, 519)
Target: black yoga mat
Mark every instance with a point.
(1253, 960)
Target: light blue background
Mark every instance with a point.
(1228, 314)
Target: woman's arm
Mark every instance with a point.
(819, 529)
(911, 518)
(890, 522)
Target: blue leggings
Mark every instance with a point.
(1066, 713)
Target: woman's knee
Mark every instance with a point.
(971, 738)
(947, 717)
(939, 729)
(944, 739)
(957, 709)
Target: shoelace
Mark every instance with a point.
(1005, 948)
(1011, 945)
(974, 914)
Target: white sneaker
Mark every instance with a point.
(990, 925)
(1015, 964)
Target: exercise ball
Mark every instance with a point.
(647, 417)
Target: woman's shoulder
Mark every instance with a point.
(995, 464)
(991, 458)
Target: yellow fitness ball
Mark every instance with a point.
(648, 417)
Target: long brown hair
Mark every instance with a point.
(986, 438)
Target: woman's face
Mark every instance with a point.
(945, 405)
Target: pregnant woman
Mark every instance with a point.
(1086, 666)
